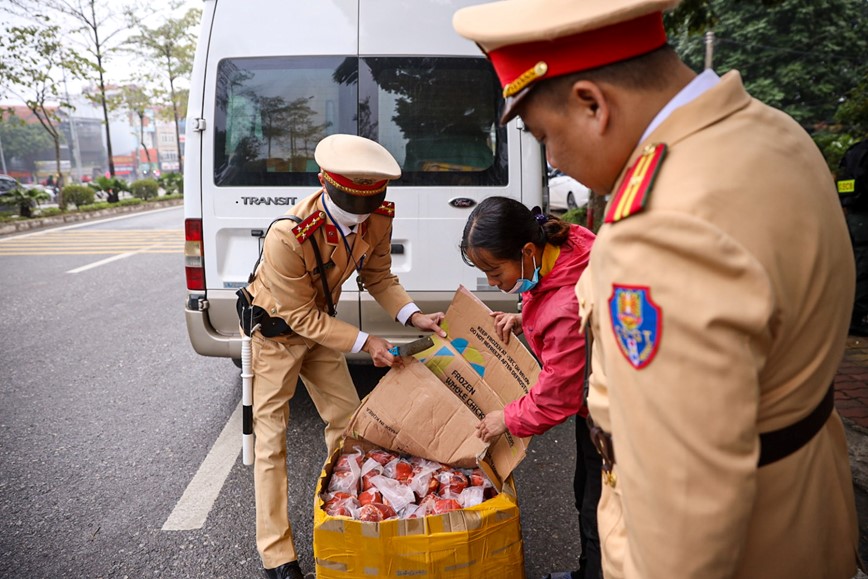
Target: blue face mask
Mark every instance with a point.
(525, 285)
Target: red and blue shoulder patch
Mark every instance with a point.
(637, 323)
(632, 196)
(310, 224)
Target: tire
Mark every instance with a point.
(571, 201)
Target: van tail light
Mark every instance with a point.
(194, 264)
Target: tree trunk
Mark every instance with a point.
(105, 115)
(175, 113)
(58, 184)
(596, 211)
(142, 139)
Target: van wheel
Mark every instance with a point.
(237, 362)
(571, 201)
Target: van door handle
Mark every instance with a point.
(397, 249)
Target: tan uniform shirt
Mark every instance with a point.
(743, 258)
(288, 285)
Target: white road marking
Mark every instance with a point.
(111, 259)
(196, 502)
(102, 262)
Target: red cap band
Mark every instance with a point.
(578, 52)
(349, 186)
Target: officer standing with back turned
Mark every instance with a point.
(718, 295)
(344, 229)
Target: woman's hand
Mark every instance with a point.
(506, 324)
(428, 322)
(492, 426)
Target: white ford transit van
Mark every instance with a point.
(273, 77)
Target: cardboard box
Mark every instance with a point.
(430, 408)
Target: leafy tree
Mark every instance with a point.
(30, 57)
(801, 56)
(24, 199)
(137, 99)
(173, 47)
(21, 140)
(98, 30)
(853, 112)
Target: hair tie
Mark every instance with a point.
(541, 218)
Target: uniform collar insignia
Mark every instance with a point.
(635, 188)
(310, 224)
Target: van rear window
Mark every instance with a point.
(436, 115)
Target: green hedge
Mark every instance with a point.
(145, 189)
(78, 195)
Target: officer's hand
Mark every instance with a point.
(378, 348)
(492, 426)
(506, 324)
(428, 322)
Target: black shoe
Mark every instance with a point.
(286, 571)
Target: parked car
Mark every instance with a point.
(7, 183)
(565, 192)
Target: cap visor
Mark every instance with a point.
(512, 104)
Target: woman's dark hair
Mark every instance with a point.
(502, 226)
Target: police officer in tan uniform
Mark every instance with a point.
(718, 295)
(340, 231)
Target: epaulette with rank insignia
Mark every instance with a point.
(310, 224)
(387, 209)
(635, 188)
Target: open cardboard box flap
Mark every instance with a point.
(430, 407)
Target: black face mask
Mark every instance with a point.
(355, 203)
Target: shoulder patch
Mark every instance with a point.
(637, 323)
(635, 188)
(304, 229)
(387, 209)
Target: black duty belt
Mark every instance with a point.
(774, 445)
(783, 442)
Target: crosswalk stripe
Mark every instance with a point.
(101, 242)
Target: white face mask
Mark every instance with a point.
(345, 218)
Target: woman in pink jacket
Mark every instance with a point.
(541, 257)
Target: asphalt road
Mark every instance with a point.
(108, 414)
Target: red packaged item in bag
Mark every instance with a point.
(370, 496)
(403, 471)
(478, 478)
(376, 512)
(444, 506)
(383, 457)
(343, 463)
(340, 505)
(343, 481)
(452, 483)
(428, 503)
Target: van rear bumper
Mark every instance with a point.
(205, 340)
(218, 309)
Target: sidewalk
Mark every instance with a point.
(851, 401)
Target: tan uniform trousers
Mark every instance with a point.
(276, 367)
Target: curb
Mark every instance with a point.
(857, 448)
(54, 220)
